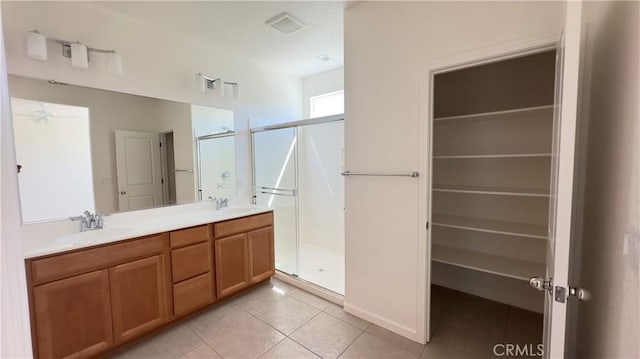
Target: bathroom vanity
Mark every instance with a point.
(90, 292)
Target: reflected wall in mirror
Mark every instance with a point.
(52, 143)
(142, 150)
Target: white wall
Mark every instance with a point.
(319, 84)
(208, 120)
(609, 324)
(156, 63)
(15, 336)
(387, 47)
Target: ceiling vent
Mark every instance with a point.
(286, 23)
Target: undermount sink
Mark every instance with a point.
(94, 235)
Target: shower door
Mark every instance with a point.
(216, 166)
(321, 205)
(276, 186)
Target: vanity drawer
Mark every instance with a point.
(190, 261)
(185, 237)
(192, 293)
(240, 225)
(65, 265)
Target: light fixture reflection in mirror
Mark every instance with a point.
(53, 151)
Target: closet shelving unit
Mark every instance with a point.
(491, 190)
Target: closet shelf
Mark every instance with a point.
(503, 266)
(525, 192)
(490, 226)
(522, 155)
(529, 111)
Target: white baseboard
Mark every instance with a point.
(323, 293)
(382, 322)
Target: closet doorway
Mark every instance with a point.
(499, 203)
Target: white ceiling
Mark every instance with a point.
(239, 27)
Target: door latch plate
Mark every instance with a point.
(560, 294)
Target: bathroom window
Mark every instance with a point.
(327, 104)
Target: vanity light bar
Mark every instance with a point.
(79, 53)
(205, 82)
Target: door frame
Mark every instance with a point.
(164, 166)
(474, 58)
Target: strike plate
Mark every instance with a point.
(560, 294)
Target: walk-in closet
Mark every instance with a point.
(491, 177)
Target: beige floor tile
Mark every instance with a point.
(282, 286)
(395, 339)
(287, 315)
(338, 312)
(218, 320)
(260, 297)
(204, 352)
(288, 349)
(326, 335)
(248, 339)
(171, 344)
(310, 299)
(370, 346)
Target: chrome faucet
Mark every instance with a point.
(220, 202)
(89, 221)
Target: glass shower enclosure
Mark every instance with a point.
(297, 171)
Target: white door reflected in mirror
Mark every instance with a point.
(138, 170)
(53, 149)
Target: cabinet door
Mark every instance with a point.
(261, 261)
(232, 264)
(138, 296)
(73, 316)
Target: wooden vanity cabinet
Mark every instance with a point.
(244, 252)
(88, 301)
(192, 269)
(73, 316)
(138, 297)
(232, 264)
(261, 254)
(85, 301)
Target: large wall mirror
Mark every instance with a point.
(82, 148)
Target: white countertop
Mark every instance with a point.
(61, 236)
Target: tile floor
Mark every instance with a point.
(276, 320)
